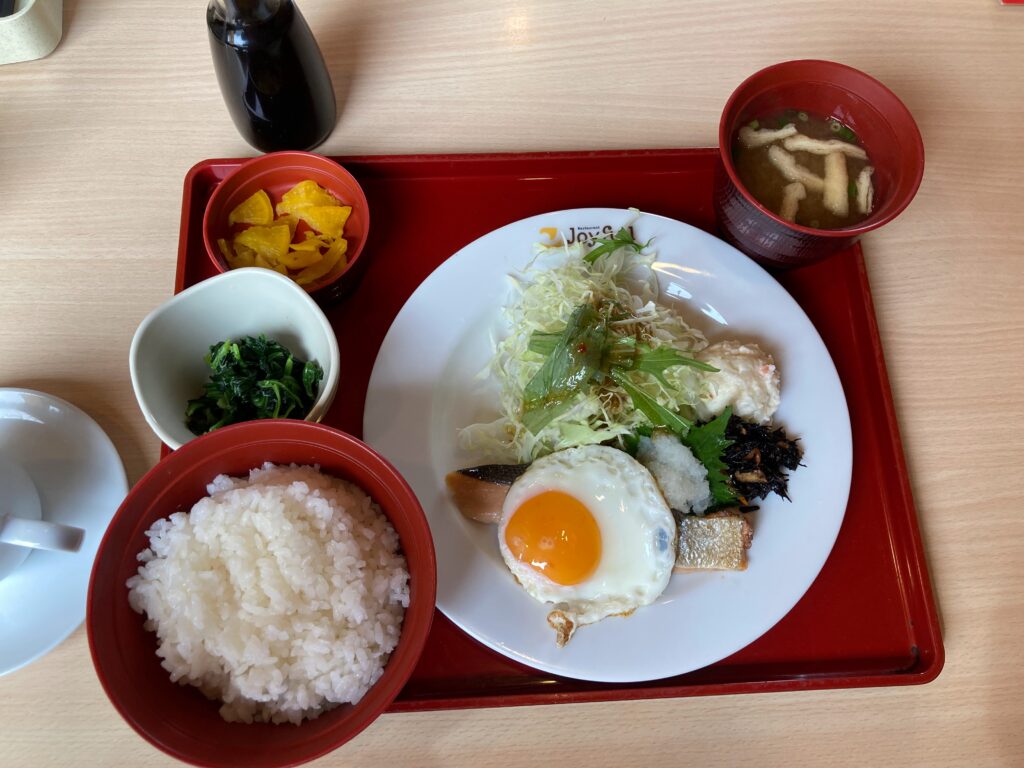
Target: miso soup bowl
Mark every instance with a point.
(881, 121)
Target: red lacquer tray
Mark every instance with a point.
(868, 620)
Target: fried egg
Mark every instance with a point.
(588, 530)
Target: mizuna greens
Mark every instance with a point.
(589, 356)
(589, 352)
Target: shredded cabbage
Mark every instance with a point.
(544, 296)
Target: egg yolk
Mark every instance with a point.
(555, 534)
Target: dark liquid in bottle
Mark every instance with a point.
(272, 75)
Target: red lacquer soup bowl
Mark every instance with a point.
(883, 124)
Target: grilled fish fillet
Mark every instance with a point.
(479, 492)
(718, 541)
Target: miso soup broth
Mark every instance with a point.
(821, 161)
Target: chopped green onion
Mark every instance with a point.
(802, 116)
(835, 126)
(754, 124)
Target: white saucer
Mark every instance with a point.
(81, 482)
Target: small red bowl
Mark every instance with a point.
(881, 121)
(277, 173)
(178, 719)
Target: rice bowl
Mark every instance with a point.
(281, 594)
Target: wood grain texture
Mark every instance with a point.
(95, 141)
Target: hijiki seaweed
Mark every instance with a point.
(758, 458)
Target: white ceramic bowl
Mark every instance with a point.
(167, 355)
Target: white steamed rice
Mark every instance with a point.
(281, 595)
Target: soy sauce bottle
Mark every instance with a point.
(271, 73)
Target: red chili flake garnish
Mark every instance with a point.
(582, 349)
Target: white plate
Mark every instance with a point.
(81, 482)
(423, 390)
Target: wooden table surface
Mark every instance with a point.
(95, 141)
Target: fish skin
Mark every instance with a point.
(502, 474)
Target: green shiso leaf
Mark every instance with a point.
(708, 442)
